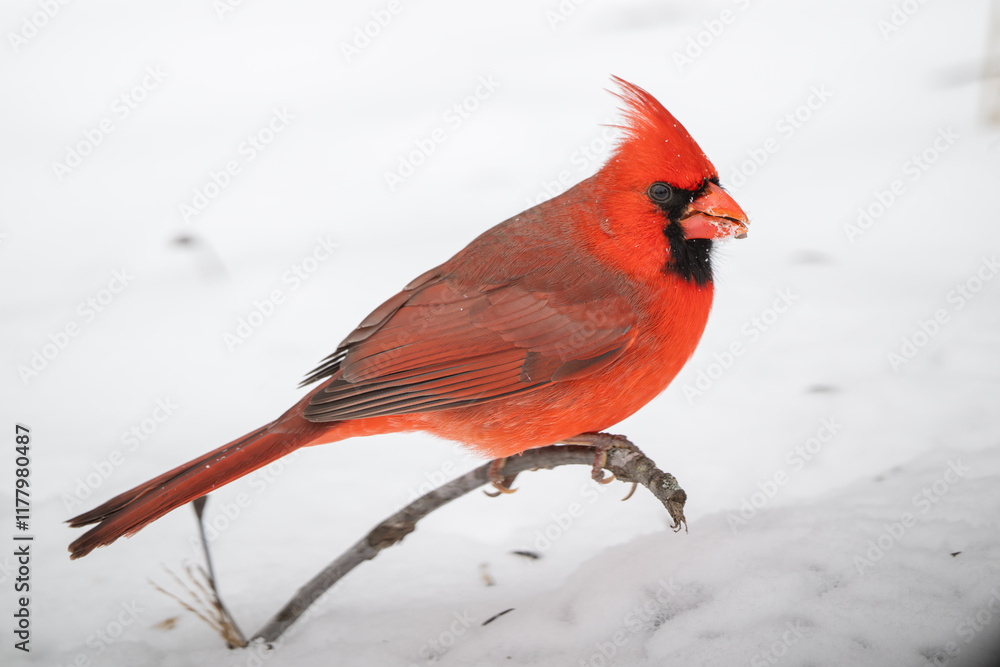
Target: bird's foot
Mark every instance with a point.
(502, 483)
(602, 443)
(597, 470)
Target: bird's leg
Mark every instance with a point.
(500, 482)
(601, 442)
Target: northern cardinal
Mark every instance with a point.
(552, 326)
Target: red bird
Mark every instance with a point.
(552, 326)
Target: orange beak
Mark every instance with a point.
(714, 215)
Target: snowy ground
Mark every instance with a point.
(843, 469)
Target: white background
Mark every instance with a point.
(818, 572)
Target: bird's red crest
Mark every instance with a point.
(655, 145)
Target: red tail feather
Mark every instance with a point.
(127, 513)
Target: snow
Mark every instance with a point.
(843, 502)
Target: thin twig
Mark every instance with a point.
(234, 636)
(200, 586)
(624, 459)
(204, 603)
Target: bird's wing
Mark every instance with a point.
(439, 344)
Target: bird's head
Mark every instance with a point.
(660, 181)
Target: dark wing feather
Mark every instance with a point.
(439, 344)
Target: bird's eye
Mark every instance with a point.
(660, 192)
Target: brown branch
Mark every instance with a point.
(624, 460)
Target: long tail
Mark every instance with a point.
(129, 512)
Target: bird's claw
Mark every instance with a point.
(502, 483)
(597, 473)
(601, 460)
